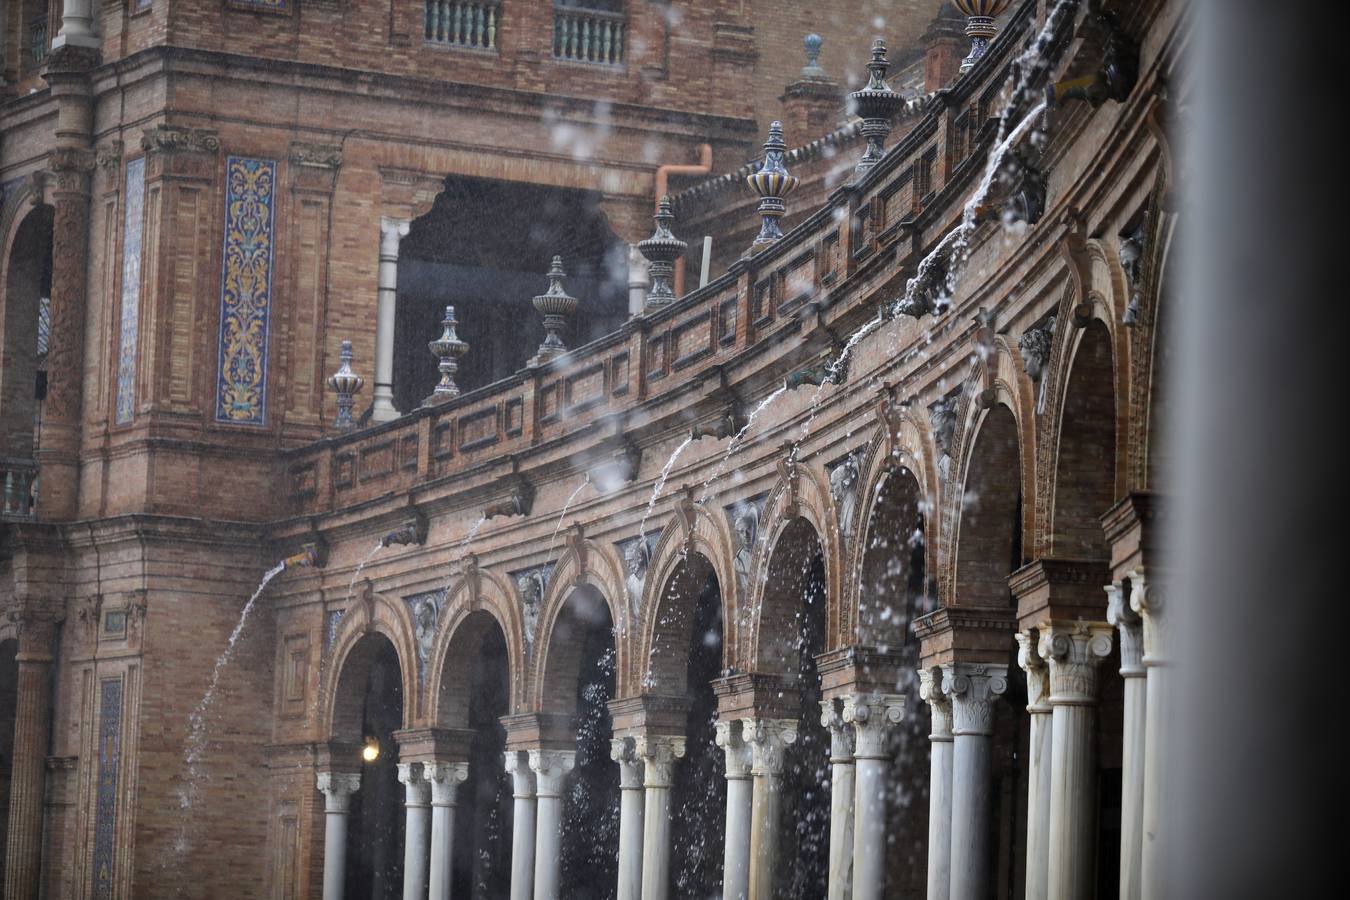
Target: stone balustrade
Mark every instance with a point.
(589, 35)
(19, 481)
(458, 23)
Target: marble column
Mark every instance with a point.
(939, 783)
(522, 827)
(736, 858)
(1130, 629)
(1146, 599)
(974, 688)
(337, 789)
(28, 767)
(1038, 763)
(658, 754)
(872, 717)
(1073, 651)
(445, 778)
(550, 771)
(623, 752)
(77, 25)
(768, 740)
(417, 804)
(392, 232)
(841, 801)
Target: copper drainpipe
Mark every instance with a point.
(663, 174)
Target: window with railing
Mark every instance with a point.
(590, 31)
(458, 23)
(38, 40)
(18, 489)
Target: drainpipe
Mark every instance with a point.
(663, 174)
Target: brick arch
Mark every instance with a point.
(556, 664)
(663, 651)
(27, 227)
(696, 530)
(470, 605)
(776, 612)
(374, 614)
(1147, 339)
(812, 502)
(599, 569)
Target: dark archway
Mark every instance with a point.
(369, 705)
(9, 698)
(893, 592)
(792, 633)
(475, 694)
(485, 247)
(23, 333)
(580, 679)
(989, 543)
(1085, 473)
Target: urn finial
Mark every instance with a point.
(773, 183)
(447, 348)
(346, 384)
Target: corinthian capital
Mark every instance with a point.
(739, 755)
(974, 688)
(1130, 627)
(337, 789)
(70, 167)
(658, 754)
(445, 778)
(1074, 650)
(550, 768)
(1038, 674)
(872, 717)
(841, 735)
(939, 704)
(1146, 598)
(624, 752)
(768, 739)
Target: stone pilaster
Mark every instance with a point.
(872, 717)
(36, 626)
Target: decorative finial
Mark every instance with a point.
(555, 306)
(773, 183)
(812, 68)
(980, 15)
(661, 250)
(346, 384)
(448, 348)
(877, 104)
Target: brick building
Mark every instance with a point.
(839, 558)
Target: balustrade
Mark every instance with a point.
(588, 35)
(19, 501)
(459, 24)
(38, 41)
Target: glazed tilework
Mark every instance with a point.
(109, 757)
(133, 219)
(246, 290)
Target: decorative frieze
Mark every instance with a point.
(324, 156)
(974, 688)
(175, 139)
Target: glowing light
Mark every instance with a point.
(371, 751)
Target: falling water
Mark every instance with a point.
(361, 565)
(463, 545)
(562, 515)
(661, 482)
(736, 439)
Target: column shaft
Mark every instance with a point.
(522, 826)
(1147, 601)
(77, 25)
(939, 784)
(337, 789)
(392, 231)
(550, 769)
(1038, 764)
(736, 856)
(658, 754)
(973, 688)
(417, 804)
(872, 717)
(445, 780)
(768, 739)
(23, 851)
(842, 789)
(1129, 629)
(631, 825)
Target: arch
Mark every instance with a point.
(990, 512)
(891, 571)
(778, 615)
(26, 280)
(584, 564)
(373, 614)
(560, 647)
(469, 599)
(669, 629)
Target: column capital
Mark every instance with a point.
(623, 752)
(1146, 599)
(416, 789)
(738, 753)
(872, 716)
(768, 739)
(70, 168)
(550, 767)
(392, 232)
(841, 736)
(445, 778)
(939, 703)
(658, 753)
(337, 789)
(1038, 674)
(1130, 627)
(522, 778)
(974, 688)
(1073, 650)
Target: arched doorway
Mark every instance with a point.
(475, 694)
(792, 634)
(485, 247)
(580, 681)
(9, 698)
(369, 708)
(686, 659)
(24, 334)
(892, 593)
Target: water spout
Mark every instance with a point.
(1113, 80)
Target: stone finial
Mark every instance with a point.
(346, 384)
(556, 307)
(876, 104)
(661, 250)
(812, 68)
(773, 183)
(447, 348)
(980, 16)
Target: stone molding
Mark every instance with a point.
(1073, 652)
(768, 740)
(939, 704)
(872, 717)
(974, 689)
(176, 139)
(1038, 674)
(445, 778)
(658, 754)
(623, 751)
(739, 756)
(1129, 626)
(337, 789)
(550, 768)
